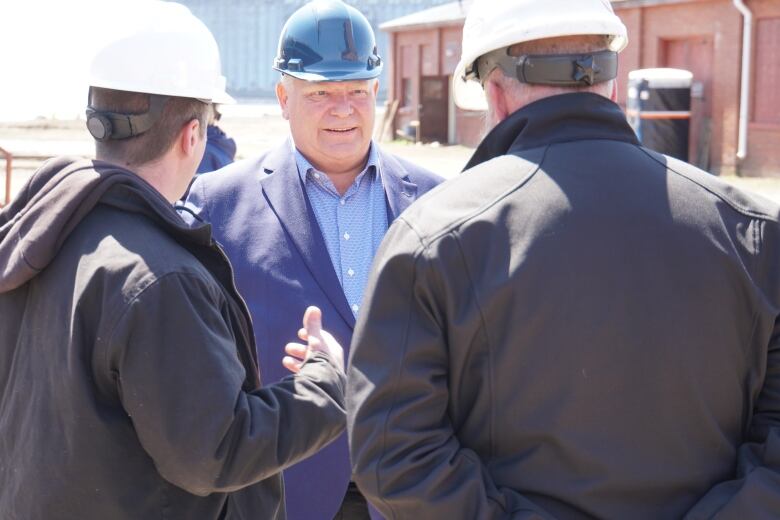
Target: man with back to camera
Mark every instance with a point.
(301, 223)
(129, 385)
(592, 327)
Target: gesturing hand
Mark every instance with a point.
(318, 340)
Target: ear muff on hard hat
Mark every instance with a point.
(559, 70)
(107, 126)
(327, 40)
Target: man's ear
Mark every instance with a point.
(496, 98)
(189, 137)
(376, 87)
(281, 96)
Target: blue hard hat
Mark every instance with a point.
(328, 40)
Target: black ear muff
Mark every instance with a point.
(99, 126)
(105, 126)
(558, 70)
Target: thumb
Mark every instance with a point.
(312, 322)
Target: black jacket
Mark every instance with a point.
(575, 328)
(128, 381)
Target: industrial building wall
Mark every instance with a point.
(248, 32)
(705, 37)
(689, 35)
(764, 134)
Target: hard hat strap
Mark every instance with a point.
(106, 126)
(560, 70)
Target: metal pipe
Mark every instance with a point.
(747, 55)
(8, 167)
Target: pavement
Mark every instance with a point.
(256, 127)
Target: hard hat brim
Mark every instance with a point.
(331, 75)
(468, 94)
(223, 98)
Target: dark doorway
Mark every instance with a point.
(696, 55)
(434, 104)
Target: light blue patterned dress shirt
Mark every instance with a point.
(352, 225)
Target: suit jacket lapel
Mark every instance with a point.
(286, 196)
(399, 189)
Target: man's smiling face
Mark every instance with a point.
(331, 122)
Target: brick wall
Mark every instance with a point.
(764, 135)
(705, 36)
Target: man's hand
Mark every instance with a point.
(318, 340)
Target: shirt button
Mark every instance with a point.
(355, 308)
(316, 175)
(343, 202)
(351, 272)
(346, 236)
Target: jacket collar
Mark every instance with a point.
(556, 119)
(286, 196)
(304, 165)
(400, 191)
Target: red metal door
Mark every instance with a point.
(434, 104)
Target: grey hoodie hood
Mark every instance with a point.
(57, 198)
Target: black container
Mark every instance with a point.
(659, 109)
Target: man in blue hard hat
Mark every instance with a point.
(302, 222)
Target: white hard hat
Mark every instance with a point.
(222, 97)
(167, 51)
(496, 24)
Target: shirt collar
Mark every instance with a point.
(305, 167)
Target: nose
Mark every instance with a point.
(342, 105)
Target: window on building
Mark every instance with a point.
(767, 72)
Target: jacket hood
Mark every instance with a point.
(58, 197)
(218, 139)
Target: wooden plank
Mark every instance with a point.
(387, 121)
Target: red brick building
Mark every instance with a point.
(703, 36)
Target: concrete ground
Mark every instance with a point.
(256, 127)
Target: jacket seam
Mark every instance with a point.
(457, 223)
(23, 255)
(397, 377)
(759, 232)
(736, 207)
(746, 352)
(153, 282)
(485, 329)
(126, 307)
(166, 502)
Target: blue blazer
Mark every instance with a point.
(262, 217)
